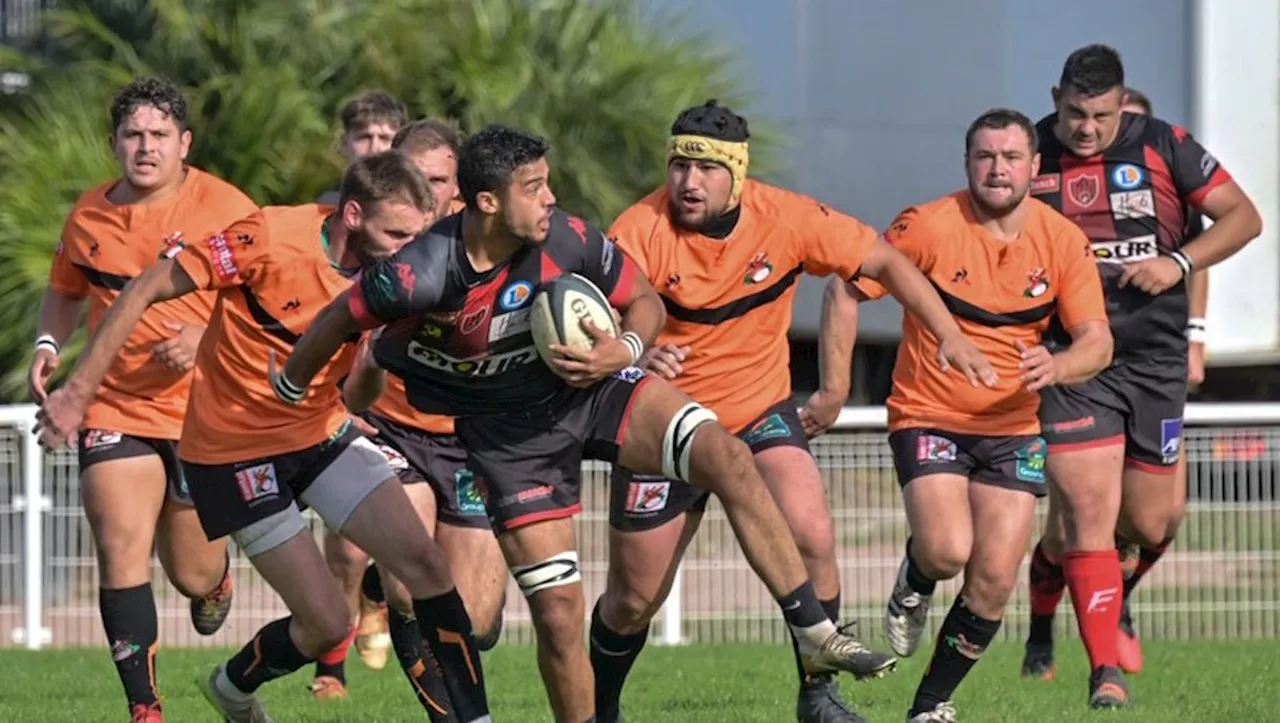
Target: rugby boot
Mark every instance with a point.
(208, 613)
(327, 687)
(944, 713)
(841, 651)
(231, 710)
(905, 615)
(1108, 689)
(820, 702)
(1127, 645)
(373, 636)
(1037, 662)
(143, 713)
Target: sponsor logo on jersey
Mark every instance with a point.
(606, 257)
(758, 270)
(516, 295)
(171, 245)
(1126, 251)
(222, 258)
(1084, 190)
(473, 320)
(1126, 177)
(407, 279)
(1133, 204)
(1037, 284)
(486, 366)
(508, 325)
(1048, 183)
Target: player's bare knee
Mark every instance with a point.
(817, 542)
(322, 626)
(488, 632)
(123, 556)
(558, 616)
(422, 569)
(627, 610)
(987, 590)
(721, 461)
(1147, 530)
(197, 575)
(941, 557)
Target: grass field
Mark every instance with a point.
(1196, 681)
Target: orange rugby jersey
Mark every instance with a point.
(272, 277)
(999, 292)
(103, 246)
(730, 300)
(394, 404)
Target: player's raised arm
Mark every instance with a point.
(60, 416)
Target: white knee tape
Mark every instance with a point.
(554, 571)
(678, 440)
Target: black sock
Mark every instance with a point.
(129, 620)
(271, 654)
(961, 641)
(371, 585)
(333, 663)
(832, 609)
(446, 628)
(421, 669)
(801, 608)
(612, 655)
(916, 579)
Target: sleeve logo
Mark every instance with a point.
(222, 257)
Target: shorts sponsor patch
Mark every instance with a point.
(397, 461)
(647, 497)
(932, 448)
(258, 482)
(1170, 439)
(1030, 461)
(470, 501)
(99, 438)
(771, 427)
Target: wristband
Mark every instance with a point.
(286, 390)
(633, 342)
(1197, 331)
(1183, 262)
(46, 341)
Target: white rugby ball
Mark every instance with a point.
(558, 309)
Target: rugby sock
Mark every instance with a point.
(1146, 560)
(832, 608)
(271, 654)
(1048, 583)
(1096, 587)
(333, 663)
(917, 580)
(612, 655)
(446, 628)
(961, 641)
(423, 671)
(371, 585)
(129, 620)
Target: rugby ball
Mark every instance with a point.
(558, 309)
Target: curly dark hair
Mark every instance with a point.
(155, 92)
(490, 157)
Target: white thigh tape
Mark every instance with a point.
(554, 571)
(678, 440)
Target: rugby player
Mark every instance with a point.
(1115, 441)
(369, 124)
(134, 492)
(971, 462)
(725, 251)
(252, 461)
(428, 458)
(455, 306)
(1135, 560)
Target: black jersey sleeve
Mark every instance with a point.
(578, 247)
(404, 285)
(1195, 171)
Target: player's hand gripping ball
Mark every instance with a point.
(576, 332)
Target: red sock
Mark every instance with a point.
(1047, 583)
(1096, 589)
(339, 652)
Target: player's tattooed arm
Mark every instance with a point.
(837, 331)
(64, 409)
(895, 272)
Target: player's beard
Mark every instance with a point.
(357, 252)
(695, 225)
(1000, 209)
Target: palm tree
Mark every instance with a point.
(265, 80)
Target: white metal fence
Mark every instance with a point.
(1221, 578)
